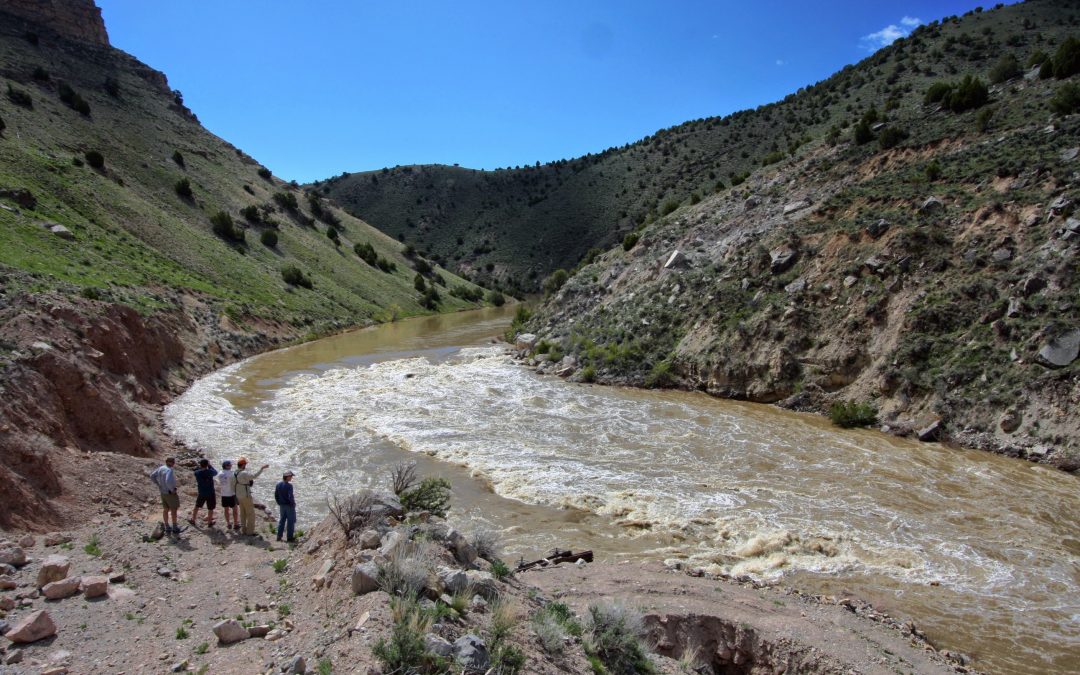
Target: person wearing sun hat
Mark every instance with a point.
(243, 480)
(286, 501)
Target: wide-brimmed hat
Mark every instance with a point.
(287, 474)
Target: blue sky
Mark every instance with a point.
(315, 88)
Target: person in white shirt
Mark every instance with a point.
(227, 490)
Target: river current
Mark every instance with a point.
(983, 552)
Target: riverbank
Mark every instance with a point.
(816, 401)
(165, 602)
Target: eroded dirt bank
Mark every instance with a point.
(83, 384)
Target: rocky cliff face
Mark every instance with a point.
(78, 19)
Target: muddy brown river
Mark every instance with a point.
(981, 551)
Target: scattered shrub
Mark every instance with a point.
(470, 294)
(630, 241)
(496, 298)
(422, 266)
(431, 298)
(968, 94)
(1067, 58)
(403, 477)
(406, 571)
(183, 188)
(3, 126)
(614, 634)
(225, 228)
(178, 158)
(251, 213)
(353, 513)
(93, 547)
(486, 543)
(862, 133)
(40, 74)
(19, 97)
(269, 238)
(72, 99)
(418, 283)
(112, 87)
(772, 158)
(1005, 69)
(848, 414)
(286, 200)
(406, 651)
(264, 173)
(660, 375)
(588, 373)
(294, 276)
(932, 171)
(366, 252)
(386, 265)
(890, 137)
(553, 624)
(1066, 99)
(280, 565)
(555, 281)
(95, 159)
(500, 569)
(432, 495)
(669, 207)
(332, 235)
(982, 119)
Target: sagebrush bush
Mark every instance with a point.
(630, 241)
(224, 227)
(178, 158)
(286, 200)
(615, 634)
(366, 252)
(264, 173)
(431, 495)
(19, 97)
(269, 238)
(294, 276)
(848, 414)
(496, 298)
(353, 513)
(95, 159)
(183, 188)
(1066, 99)
(406, 570)
(406, 652)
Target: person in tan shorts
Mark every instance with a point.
(243, 480)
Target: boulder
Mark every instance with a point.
(12, 555)
(463, 550)
(56, 538)
(230, 631)
(54, 568)
(7, 570)
(483, 583)
(878, 228)
(7, 583)
(1011, 421)
(525, 341)
(1060, 206)
(296, 665)
(391, 541)
(34, 627)
(437, 645)
(27, 541)
(62, 232)
(930, 432)
(797, 286)
(1015, 309)
(675, 260)
(259, 631)
(876, 264)
(7, 603)
(58, 590)
(454, 580)
(94, 586)
(796, 206)
(1069, 154)
(368, 539)
(471, 653)
(782, 258)
(320, 578)
(365, 578)
(1060, 351)
(932, 205)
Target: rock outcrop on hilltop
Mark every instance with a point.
(77, 19)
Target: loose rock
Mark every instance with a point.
(471, 652)
(54, 568)
(94, 586)
(58, 590)
(34, 627)
(230, 631)
(365, 578)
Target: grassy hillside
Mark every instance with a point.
(917, 264)
(518, 225)
(134, 227)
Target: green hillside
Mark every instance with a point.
(518, 225)
(143, 219)
(920, 265)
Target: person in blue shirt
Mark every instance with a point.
(286, 501)
(204, 479)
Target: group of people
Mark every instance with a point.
(234, 487)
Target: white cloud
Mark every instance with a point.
(781, 62)
(889, 34)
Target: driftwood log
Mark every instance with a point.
(557, 556)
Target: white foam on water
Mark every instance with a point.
(735, 493)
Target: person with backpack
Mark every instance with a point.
(204, 479)
(242, 482)
(286, 501)
(165, 479)
(227, 490)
